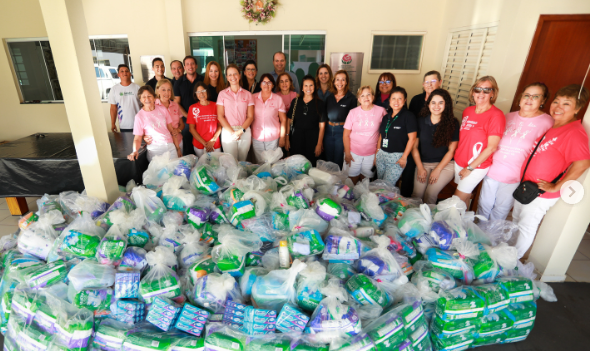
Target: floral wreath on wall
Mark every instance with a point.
(259, 11)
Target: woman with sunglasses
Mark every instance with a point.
(338, 105)
(270, 119)
(307, 120)
(523, 127)
(385, 84)
(481, 129)
(202, 122)
(562, 156)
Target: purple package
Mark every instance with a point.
(197, 216)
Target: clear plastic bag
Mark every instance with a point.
(367, 291)
(182, 166)
(73, 204)
(175, 196)
(454, 203)
(269, 157)
(333, 319)
(74, 325)
(494, 259)
(291, 167)
(193, 250)
(249, 278)
(133, 259)
(110, 335)
(80, 239)
(214, 290)
(112, 246)
(460, 263)
(260, 200)
(308, 286)
(307, 220)
(161, 280)
(277, 288)
(89, 274)
(379, 263)
(38, 238)
(264, 226)
(171, 238)
(122, 204)
(157, 173)
(149, 203)
(499, 231)
(305, 243)
(415, 221)
(327, 173)
(230, 255)
(429, 278)
(49, 203)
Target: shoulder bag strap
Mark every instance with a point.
(531, 157)
(293, 114)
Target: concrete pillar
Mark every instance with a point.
(562, 230)
(177, 38)
(68, 37)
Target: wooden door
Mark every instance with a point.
(559, 55)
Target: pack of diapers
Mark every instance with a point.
(223, 338)
(147, 340)
(328, 209)
(133, 259)
(161, 280)
(520, 289)
(110, 335)
(305, 243)
(112, 246)
(92, 299)
(37, 238)
(495, 297)
(74, 326)
(366, 291)
(230, 255)
(41, 276)
(202, 179)
(460, 303)
(341, 247)
(81, 238)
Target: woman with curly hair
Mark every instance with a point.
(438, 135)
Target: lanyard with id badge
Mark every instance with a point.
(385, 141)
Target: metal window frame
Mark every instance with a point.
(282, 33)
(397, 33)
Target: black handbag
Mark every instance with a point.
(527, 191)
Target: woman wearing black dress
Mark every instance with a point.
(307, 118)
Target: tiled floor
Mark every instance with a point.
(579, 269)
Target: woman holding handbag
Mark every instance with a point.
(523, 127)
(560, 155)
(307, 118)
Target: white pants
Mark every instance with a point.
(495, 199)
(260, 146)
(200, 152)
(469, 183)
(527, 218)
(157, 150)
(360, 165)
(238, 148)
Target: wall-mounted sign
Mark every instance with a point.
(352, 62)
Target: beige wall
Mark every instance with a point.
(348, 25)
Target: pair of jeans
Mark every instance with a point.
(333, 144)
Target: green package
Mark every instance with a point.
(455, 342)
(165, 286)
(209, 235)
(443, 328)
(253, 259)
(45, 275)
(226, 339)
(366, 292)
(516, 335)
(280, 221)
(241, 211)
(519, 289)
(306, 345)
(494, 295)
(411, 314)
(298, 200)
(522, 314)
(491, 339)
(187, 343)
(33, 337)
(80, 244)
(460, 303)
(484, 265)
(387, 329)
(147, 341)
(201, 268)
(264, 344)
(496, 323)
(423, 344)
(138, 238)
(305, 243)
(234, 265)
(92, 299)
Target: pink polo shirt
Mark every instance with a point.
(175, 114)
(235, 105)
(267, 125)
(287, 99)
(153, 123)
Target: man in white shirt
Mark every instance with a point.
(279, 61)
(124, 101)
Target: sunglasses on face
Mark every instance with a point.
(531, 97)
(483, 90)
(384, 82)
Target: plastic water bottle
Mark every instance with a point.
(284, 258)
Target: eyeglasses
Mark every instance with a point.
(250, 69)
(266, 83)
(201, 91)
(483, 90)
(384, 82)
(532, 97)
(429, 82)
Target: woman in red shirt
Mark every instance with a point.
(481, 130)
(203, 122)
(563, 149)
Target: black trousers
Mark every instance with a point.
(407, 178)
(187, 140)
(303, 143)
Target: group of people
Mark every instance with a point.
(373, 130)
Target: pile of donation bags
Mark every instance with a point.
(214, 254)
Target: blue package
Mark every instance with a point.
(291, 319)
(127, 285)
(133, 259)
(443, 234)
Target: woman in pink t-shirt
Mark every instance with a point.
(155, 121)
(522, 129)
(235, 111)
(270, 119)
(361, 135)
(481, 129)
(285, 89)
(562, 155)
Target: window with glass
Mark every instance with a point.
(396, 52)
(37, 77)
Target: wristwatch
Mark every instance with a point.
(470, 168)
(244, 130)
